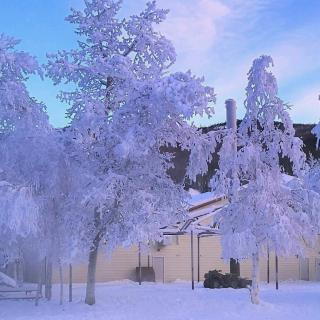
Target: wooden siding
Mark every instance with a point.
(177, 262)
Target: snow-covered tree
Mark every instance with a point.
(33, 165)
(316, 131)
(124, 110)
(17, 111)
(264, 212)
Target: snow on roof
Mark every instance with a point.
(205, 211)
(202, 198)
(198, 198)
(203, 207)
(291, 182)
(287, 178)
(193, 192)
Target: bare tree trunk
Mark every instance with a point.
(255, 279)
(61, 283)
(91, 276)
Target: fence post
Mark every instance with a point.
(70, 282)
(277, 274)
(192, 271)
(268, 267)
(140, 263)
(198, 238)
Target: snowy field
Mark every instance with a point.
(127, 300)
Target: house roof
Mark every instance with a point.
(203, 207)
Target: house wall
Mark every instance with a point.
(314, 259)
(177, 262)
(288, 268)
(122, 262)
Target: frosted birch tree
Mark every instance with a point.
(264, 212)
(33, 169)
(125, 107)
(18, 111)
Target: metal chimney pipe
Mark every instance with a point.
(231, 107)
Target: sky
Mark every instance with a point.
(217, 39)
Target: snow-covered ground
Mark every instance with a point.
(128, 300)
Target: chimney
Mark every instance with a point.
(231, 107)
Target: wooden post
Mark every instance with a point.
(61, 282)
(140, 263)
(41, 278)
(198, 238)
(15, 271)
(268, 267)
(277, 274)
(39, 285)
(192, 271)
(70, 282)
(48, 284)
(38, 293)
(148, 261)
(235, 267)
(44, 276)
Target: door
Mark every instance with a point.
(304, 269)
(317, 269)
(158, 267)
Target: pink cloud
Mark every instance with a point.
(306, 105)
(193, 27)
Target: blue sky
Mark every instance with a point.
(214, 38)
